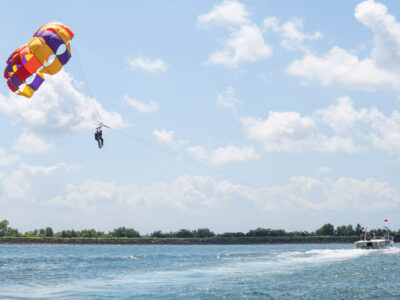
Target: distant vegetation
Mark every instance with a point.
(122, 232)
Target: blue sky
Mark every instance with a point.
(225, 114)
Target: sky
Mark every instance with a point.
(229, 115)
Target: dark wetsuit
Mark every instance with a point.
(98, 136)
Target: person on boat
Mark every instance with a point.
(98, 136)
(362, 233)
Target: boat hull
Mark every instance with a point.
(374, 244)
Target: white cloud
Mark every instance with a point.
(340, 195)
(166, 137)
(32, 144)
(385, 133)
(228, 12)
(342, 117)
(246, 44)
(58, 107)
(281, 131)
(48, 186)
(197, 152)
(7, 159)
(338, 66)
(292, 33)
(142, 107)
(324, 169)
(291, 132)
(35, 183)
(343, 68)
(147, 64)
(386, 51)
(272, 23)
(334, 144)
(338, 128)
(227, 99)
(229, 154)
(367, 125)
(224, 155)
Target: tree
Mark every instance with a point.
(231, 234)
(125, 232)
(203, 232)
(157, 234)
(69, 233)
(326, 229)
(266, 232)
(358, 229)
(12, 232)
(90, 233)
(48, 232)
(184, 233)
(3, 227)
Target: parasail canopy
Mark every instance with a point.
(46, 53)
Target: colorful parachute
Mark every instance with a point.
(46, 52)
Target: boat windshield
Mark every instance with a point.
(375, 232)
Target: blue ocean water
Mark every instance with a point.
(332, 271)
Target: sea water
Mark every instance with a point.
(335, 271)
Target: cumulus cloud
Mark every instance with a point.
(335, 144)
(224, 155)
(341, 67)
(35, 183)
(385, 133)
(343, 118)
(292, 33)
(166, 137)
(245, 44)
(340, 195)
(31, 144)
(197, 152)
(367, 125)
(58, 107)
(48, 186)
(227, 99)
(246, 41)
(229, 154)
(142, 107)
(338, 128)
(323, 169)
(228, 12)
(7, 159)
(281, 131)
(292, 132)
(147, 64)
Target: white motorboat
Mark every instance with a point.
(370, 241)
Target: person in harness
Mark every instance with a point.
(98, 136)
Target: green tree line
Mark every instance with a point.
(123, 232)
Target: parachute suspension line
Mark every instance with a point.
(216, 171)
(98, 121)
(182, 157)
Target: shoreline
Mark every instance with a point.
(178, 241)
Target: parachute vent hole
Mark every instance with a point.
(61, 49)
(50, 60)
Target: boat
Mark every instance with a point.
(370, 241)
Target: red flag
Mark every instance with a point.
(386, 220)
